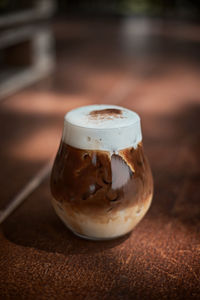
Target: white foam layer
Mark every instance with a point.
(107, 132)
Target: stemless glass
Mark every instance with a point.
(101, 181)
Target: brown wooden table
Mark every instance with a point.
(152, 67)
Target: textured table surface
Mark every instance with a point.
(154, 69)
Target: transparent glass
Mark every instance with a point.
(98, 195)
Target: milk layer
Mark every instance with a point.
(114, 224)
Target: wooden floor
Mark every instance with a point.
(152, 67)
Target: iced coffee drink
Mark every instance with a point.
(101, 181)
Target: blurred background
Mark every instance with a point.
(141, 54)
(57, 55)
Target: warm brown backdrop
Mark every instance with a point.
(152, 67)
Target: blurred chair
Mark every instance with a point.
(26, 44)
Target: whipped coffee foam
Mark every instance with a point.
(102, 127)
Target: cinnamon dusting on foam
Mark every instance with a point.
(106, 114)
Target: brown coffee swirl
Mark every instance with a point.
(94, 181)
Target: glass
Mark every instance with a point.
(101, 194)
